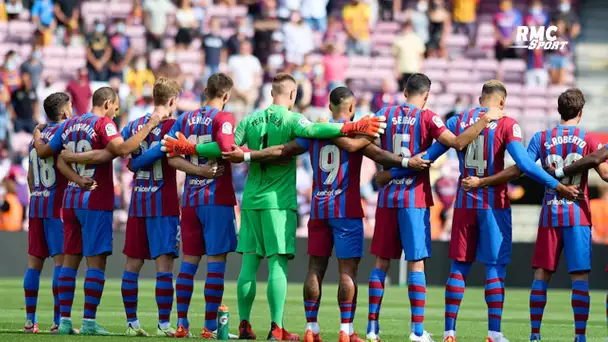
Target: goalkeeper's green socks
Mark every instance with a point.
(246, 285)
(277, 287)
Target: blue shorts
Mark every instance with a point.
(45, 237)
(151, 237)
(208, 229)
(575, 241)
(87, 232)
(345, 233)
(558, 61)
(482, 235)
(415, 231)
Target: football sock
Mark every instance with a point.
(56, 312)
(454, 292)
(214, 291)
(346, 317)
(93, 289)
(538, 300)
(164, 297)
(129, 291)
(580, 306)
(31, 285)
(246, 285)
(495, 295)
(311, 310)
(67, 286)
(416, 290)
(183, 292)
(376, 292)
(277, 287)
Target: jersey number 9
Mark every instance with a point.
(330, 162)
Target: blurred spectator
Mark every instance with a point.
(439, 27)
(155, 20)
(122, 51)
(458, 108)
(464, 16)
(46, 87)
(25, 106)
(276, 60)
(246, 72)
(213, 48)
(43, 15)
(319, 87)
(265, 24)
(99, 52)
(388, 8)
(305, 91)
(243, 31)
(34, 66)
(357, 16)
(536, 74)
(189, 100)
(67, 13)
(335, 66)
(186, 24)
(334, 30)
(136, 17)
(14, 8)
(364, 106)
(11, 210)
(506, 22)
(420, 19)
(298, 39)
(144, 106)
(79, 90)
(11, 77)
(558, 60)
(387, 96)
(138, 75)
(169, 66)
(408, 50)
(314, 13)
(599, 216)
(566, 13)
(5, 99)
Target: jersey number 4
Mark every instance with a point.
(474, 156)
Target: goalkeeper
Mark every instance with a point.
(268, 217)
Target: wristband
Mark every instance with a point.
(405, 162)
(559, 172)
(247, 157)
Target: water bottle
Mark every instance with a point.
(223, 317)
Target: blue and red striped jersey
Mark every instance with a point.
(154, 187)
(85, 133)
(49, 184)
(336, 178)
(484, 157)
(410, 130)
(559, 147)
(199, 127)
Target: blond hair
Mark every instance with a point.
(278, 82)
(164, 89)
(494, 87)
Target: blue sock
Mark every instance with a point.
(214, 292)
(495, 295)
(183, 292)
(66, 286)
(580, 306)
(93, 289)
(31, 285)
(538, 300)
(56, 312)
(454, 292)
(376, 292)
(164, 296)
(416, 289)
(129, 289)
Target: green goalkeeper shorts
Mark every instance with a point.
(268, 232)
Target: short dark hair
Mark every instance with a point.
(53, 103)
(494, 87)
(338, 95)
(418, 84)
(218, 85)
(570, 103)
(103, 94)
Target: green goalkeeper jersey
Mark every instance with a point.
(271, 186)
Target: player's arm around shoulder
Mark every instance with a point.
(355, 144)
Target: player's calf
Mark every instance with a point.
(214, 291)
(454, 293)
(184, 286)
(580, 304)
(31, 285)
(416, 282)
(376, 293)
(317, 266)
(538, 301)
(495, 297)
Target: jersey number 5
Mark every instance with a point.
(401, 144)
(474, 157)
(330, 162)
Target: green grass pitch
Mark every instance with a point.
(394, 318)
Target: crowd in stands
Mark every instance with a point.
(372, 46)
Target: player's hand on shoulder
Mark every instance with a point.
(157, 118)
(38, 131)
(417, 163)
(383, 177)
(235, 156)
(570, 192)
(67, 154)
(495, 113)
(471, 183)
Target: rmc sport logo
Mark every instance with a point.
(538, 37)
